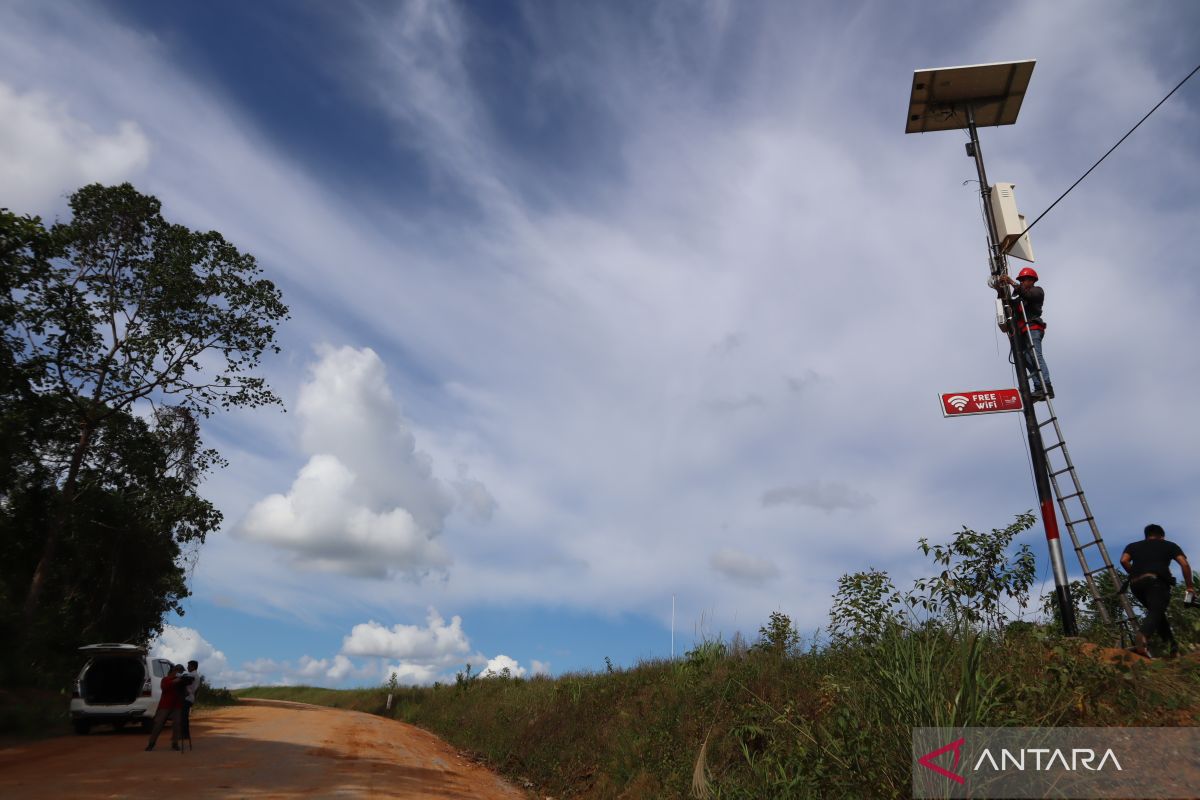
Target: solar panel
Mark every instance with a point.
(940, 97)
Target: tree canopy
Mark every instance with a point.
(119, 331)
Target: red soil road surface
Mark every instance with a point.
(256, 749)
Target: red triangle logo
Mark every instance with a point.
(927, 761)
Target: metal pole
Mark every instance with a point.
(1037, 452)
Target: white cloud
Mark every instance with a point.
(181, 644)
(497, 666)
(338, 671)
(46, 151)
(410, 674)
(539, 667)
(370, 654)
(743, 567)
(424, 654)
(367, 502)
(436, 642)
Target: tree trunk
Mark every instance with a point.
(58, 521)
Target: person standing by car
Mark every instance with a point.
(1148, 563)
(192, 678)
(169, 708)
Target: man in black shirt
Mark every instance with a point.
(1148, 563)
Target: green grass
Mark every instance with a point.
(372, 701)
(833, 722)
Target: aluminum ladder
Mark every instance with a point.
(1079, 521)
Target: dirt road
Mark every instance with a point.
(257, 749)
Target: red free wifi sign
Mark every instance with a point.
(991, 401)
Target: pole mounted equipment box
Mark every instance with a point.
(1010, 223)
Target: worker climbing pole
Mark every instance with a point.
(968, 97)
(958, 98)
(1033, 432)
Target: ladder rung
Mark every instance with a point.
(1060, 472)
(1047, 422)
(1066, 497)
(1092, 543)
(1055, 446)
(1105, 568)
(1077, 521)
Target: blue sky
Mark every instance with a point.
(596, 305)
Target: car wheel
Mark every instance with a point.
(81, 726)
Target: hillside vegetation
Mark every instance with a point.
(777, 718)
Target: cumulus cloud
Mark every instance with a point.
(45, 151)
(817, 494)
(367, 503)
(497, 666)
(337, 670)
(743, 567)
(418, 654)
(411, 674)
(372, 653)
(180, 645)
(435, 642)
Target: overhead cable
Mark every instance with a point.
(1114, 147)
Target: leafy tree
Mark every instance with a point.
(134, 526)
(1088, 615)
(118, 309)
(978, 575)
(24, 245)
(977, 579)
(778, 636)
(865, 604)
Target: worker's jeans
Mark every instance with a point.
(1155, 595)
(1034, 378)
(160, 719)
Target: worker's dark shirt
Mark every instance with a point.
(1153, 555)
(1033, 298)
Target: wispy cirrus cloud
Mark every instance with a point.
(562, 326)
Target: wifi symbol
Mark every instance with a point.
(958, 401)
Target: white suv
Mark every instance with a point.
(119, 684)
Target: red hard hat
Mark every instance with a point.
(1028, 272)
